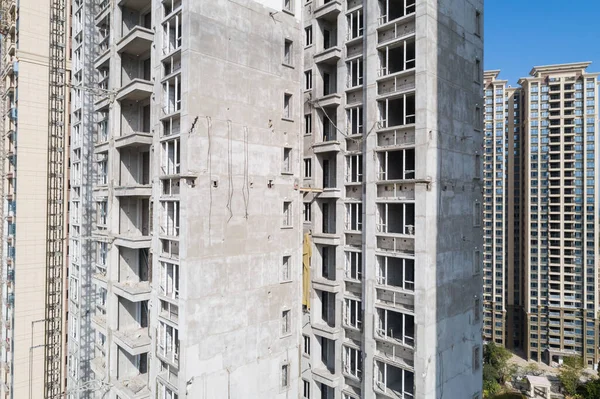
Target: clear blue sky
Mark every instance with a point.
(521, 34)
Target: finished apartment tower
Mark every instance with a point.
(502, 275)
(276, 199)
(26, 194)
(541, 212)
(560, 204)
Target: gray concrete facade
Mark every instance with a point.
(233, 127)
(188, 198)
(397, 314)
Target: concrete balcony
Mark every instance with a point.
(102, 59)
(133, 291)
(136, 90)
(142, 190)
(327, 239)
(396, 356)
(326, 146)
(11, 49)
(132, 388)
(134, 242)
(100, 279)
(331, 193)
(136, 42)
(170, 378)
(99, 322)
(395, 298)
(324, 376)
(330, 100)
(135, 342)
(401, 82)
(138, 5)
(323, 284)
(102, 102)
(396, 30)
(98, 366)
(103, 11)
(134, 139)
(329, 11)
(328, 56)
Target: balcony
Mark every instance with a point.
(11, 48)
(133, 291)
(136, 42)
(396, 31)
(395, 84)
(134, 341)
(134, 174)
(99, 321)
(132, 388)
(324, 368)
(330, 100)
(98, 366)
(134, 220)
(134, 139)
(328, 10)
(133, 242)
(330, 141)
(103, 8)
(329, 55)
(103, 58)
(169, 376)
(136, 90)
(137, 5)
(326, 146)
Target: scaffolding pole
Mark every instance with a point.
(56, 196)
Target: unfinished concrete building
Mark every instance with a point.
(187, 227)
(223, 131)
(392, 152)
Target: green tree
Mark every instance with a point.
(570, 373)
(591, 390)
(497, 357)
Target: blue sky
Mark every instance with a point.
(520, 34)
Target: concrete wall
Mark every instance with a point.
(232, 240)
(446, 144)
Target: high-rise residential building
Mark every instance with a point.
(560, 210)
(502, 301)
(392, 146)
(185, 226)
(33, 154)
(276, 199)
(541, 212)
